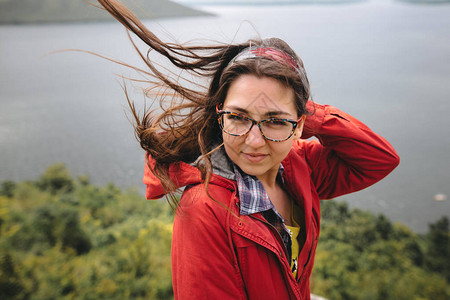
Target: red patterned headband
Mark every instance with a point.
(270, 53)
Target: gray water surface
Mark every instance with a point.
(386, 63)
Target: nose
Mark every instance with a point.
(255, 138)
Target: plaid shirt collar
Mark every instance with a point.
(252, 195)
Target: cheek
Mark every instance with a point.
(283, 149)
(232, 144)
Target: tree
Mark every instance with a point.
(7, 188)
(73, 235)
(383, 226)
(438, 247)
(10, 284)
(56, 178)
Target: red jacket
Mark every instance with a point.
(218, 254)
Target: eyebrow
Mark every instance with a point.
(268, 114)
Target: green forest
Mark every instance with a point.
(65, 238)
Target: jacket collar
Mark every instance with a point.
(183, 174)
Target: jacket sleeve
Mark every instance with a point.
(347, 156)
(203, 260)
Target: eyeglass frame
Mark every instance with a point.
(220, 113)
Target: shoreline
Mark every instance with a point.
(59, 11)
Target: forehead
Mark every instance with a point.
(260, 96)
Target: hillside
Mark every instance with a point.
(64, 238)
(43, 11)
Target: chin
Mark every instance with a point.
(252, 170)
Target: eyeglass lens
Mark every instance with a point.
(276, 129)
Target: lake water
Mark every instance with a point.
(386, 63)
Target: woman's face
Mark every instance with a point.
(259, 99)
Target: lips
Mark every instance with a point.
(254, 157)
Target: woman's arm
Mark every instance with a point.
(203, 261)
(348, 156)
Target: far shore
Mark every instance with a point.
(74, 11)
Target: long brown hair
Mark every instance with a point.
(187, 128)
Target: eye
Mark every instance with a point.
(235, 118)
(277, 122)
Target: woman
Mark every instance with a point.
(248, 221)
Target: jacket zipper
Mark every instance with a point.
(280, 239)
(284, 246)
(285, 249)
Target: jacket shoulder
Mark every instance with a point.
(213, 202)
(300, 152)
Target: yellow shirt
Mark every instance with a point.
(294, 231)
